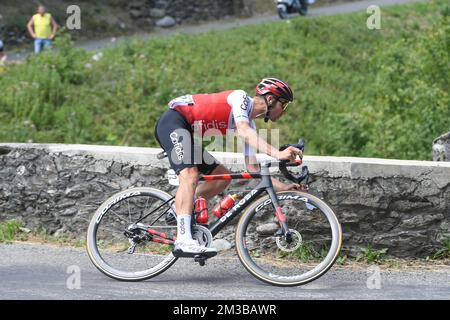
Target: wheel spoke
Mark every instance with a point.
(272, 258)
(111, 254)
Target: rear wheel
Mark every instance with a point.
(313, 247)
(117, 239)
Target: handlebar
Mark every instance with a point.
(299, 145)
(296, 178)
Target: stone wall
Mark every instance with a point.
(400, 205)
(441, 148)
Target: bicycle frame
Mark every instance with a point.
(264, 186)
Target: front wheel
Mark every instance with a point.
(310, 251)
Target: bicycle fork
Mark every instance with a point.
(280, 216)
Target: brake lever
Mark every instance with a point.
(296, 178)
(300, 145)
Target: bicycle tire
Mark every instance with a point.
(92, 246)
(255, 265)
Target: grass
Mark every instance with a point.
(14, 231)
(306, 252)
(11, 231)
(98, 18)
(370, 255)
(359, 92)
(444, 252)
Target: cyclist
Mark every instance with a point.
(232, 109)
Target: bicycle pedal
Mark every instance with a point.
(201, 260)
(182, 254)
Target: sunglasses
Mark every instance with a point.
(284, 103)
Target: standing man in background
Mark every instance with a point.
(42, 28)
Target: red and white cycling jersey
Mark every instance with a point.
(214, 113)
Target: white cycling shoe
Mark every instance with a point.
(191, 248)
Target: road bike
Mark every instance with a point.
(284, 238)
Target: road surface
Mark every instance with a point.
(33, 271)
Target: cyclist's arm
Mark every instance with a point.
(251, 163)
(241, 105)
(253, 166)
(252, 138)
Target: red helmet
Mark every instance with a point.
(276, 87)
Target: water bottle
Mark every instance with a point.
(224, 205)
(201, 210)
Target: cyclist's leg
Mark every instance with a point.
(185, 245)
(174, 134)
(184, 198)
(210, 189)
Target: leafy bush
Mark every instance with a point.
(444, 252)
(412, 102)
(370, 255)
(11, 230)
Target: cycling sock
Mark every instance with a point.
(184, 227)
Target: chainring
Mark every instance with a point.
(202, 235)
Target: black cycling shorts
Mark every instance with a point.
(175, 136)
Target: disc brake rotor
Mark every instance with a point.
(293, 245)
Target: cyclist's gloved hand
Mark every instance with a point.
(290, 153)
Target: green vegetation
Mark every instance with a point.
(370, 255)
(98, 18)
(359, 92)
(444, 252)
(10, 231)
(14, 230)
(306, 252)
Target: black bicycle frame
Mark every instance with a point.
(264, 185)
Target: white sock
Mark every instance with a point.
(184, 227)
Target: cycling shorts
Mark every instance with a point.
(175, 136)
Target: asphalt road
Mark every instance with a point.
(227, 23)
(31, 271)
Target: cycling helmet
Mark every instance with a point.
(276, 87)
